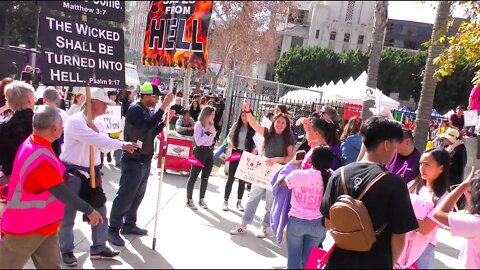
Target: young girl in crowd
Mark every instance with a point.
(240, 139)
(430, 185)
(278, 148)
(194, 110)
(204, 133)
(464, 223)
(305, 229)
(351, 140)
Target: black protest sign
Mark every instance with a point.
(106, 10)
(77, 53)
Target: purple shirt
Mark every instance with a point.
(407, 167)
(201, 138)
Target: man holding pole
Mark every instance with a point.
(36, 199)
(141, 126)
(80, 133)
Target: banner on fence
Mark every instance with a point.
(254, 169)
(112, 119)
(76, 53)
(176, 34)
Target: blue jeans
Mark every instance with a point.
(255, 196)
(133, 184)
(425, 260)
(65, 233)
(302, 235)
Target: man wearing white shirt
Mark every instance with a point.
(80, 133)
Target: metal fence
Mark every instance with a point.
(264, 95)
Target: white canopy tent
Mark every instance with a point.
(355, 92)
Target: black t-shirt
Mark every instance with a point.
(388, 202)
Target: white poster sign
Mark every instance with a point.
(178, 150)
(254, 169)
(471, 118)
(112, 119)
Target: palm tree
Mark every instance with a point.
(429, 84)
(380, 22)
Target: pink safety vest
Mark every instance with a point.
(28, 212)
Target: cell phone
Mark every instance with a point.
(300, 155)
(85, 218)
(174, 90)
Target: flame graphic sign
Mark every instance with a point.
(176, 34)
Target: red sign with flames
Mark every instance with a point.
(176, 34)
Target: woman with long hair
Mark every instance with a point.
(351, 140)
(204, 134)
(430, 186)
(194, 110)
(78, 100)
(240, 139)
(278, 148)
(466, 223)
(304, 228)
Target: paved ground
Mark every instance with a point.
(200, 239)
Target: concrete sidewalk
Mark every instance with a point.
(200, 239)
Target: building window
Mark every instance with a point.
(350, 10)
(333, 35)
(298, 16)
(346, 38)
(296, 41)
(317, 33)
(360, 39)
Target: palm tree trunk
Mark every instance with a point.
(380, 22)
(429, 85)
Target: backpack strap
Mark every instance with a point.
(344, 184)
(375, 180)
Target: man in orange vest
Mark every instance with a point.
(36, 199)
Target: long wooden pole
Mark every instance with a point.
(90, 118)
(162, 170)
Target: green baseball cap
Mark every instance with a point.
(149, 89)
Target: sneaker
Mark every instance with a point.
(115, 239)
(262, 233)
(225, 206)
(133, 230)
(191, 205)
(69, 259)
(239, 230)
(202, 204)
(104, 255)
(239, 206)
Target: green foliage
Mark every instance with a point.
(18, 22)
(400, 72)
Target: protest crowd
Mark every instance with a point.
(321, 177)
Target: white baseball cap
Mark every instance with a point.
(100, 94)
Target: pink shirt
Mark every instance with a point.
(307, 193)
(475, 95)
(467, 226)
(427, 194)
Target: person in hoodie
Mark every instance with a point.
(351, 140)
(406, 162)
(305, 229)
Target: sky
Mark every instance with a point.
(415, 11)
